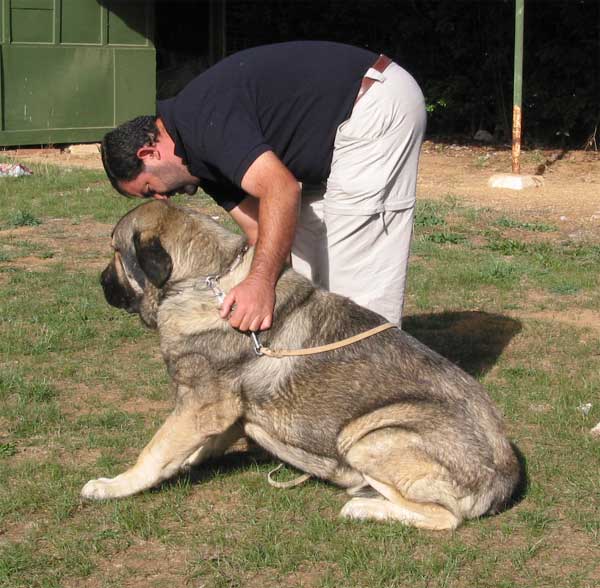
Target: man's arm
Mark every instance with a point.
(245, 214)
(278, 193)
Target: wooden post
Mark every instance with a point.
(517, 86)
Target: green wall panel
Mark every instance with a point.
(43, 4)
(133, 83)
(61, 87)
(81, 22)
(97, 71)
(31, 25)
(127, 28)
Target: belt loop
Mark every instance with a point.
(379, 66)
(374, 74)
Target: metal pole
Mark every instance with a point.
(517, 86)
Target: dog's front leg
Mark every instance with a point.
(189, 434)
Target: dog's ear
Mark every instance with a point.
(155, 262)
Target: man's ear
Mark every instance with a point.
(155, 262)
(148, 152)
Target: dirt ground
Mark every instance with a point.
(569, 197)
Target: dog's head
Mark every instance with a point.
(158, 245)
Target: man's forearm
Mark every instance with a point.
(277, 217)
(250, 304)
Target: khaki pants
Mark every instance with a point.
(354, 233)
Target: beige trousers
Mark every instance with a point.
(353, 235)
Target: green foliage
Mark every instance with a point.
(509, 223)
(432, 107)
(507, 246)
(429, 215)
(442, 238)
(22, 218)
(7, 449)
(461, 53)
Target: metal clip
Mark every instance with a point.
(257, 345)
(212, 283)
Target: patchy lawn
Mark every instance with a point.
(505, 284)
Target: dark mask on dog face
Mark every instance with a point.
(117, 287)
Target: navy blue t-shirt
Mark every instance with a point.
(288, 98)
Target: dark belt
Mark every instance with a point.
(380, 65)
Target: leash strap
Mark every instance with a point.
(260, 350)
(290, 484)
(212, 282)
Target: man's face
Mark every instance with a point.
(161, 180)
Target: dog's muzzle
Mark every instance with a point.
(116, 292)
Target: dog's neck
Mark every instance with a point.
(217, 285)
(190, 306)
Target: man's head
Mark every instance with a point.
(139, 159)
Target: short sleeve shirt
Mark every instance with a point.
(288, 98)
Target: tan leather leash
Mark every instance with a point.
(212, 282)
(290, 483)
(260, 350)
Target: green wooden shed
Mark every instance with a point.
(72, 69)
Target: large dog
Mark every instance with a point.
(409, 435)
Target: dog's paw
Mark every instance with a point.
(103, 489)
(366, 509)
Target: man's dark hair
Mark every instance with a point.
(120, 146)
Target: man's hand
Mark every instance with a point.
(251, 302)
(251, 305)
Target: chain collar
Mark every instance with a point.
(212, 282)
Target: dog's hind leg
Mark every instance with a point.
(393, 506)
(413, 489)
(317, 465)
(190, 432)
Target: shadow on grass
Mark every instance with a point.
(473, 340)
(229, 464)
(521, 490)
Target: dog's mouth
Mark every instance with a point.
(117, 293)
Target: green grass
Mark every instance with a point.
(82, 389)
(22, 218)
(510, 223)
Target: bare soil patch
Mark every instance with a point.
(68, 242)
(89, 159)
(143, 564)
(570, 194)
(582, 318)
(569, 197)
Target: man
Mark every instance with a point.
(312, 147)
